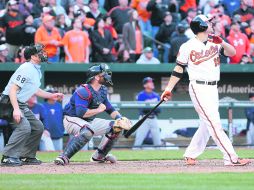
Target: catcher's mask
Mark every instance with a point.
(36, 49)
(100, 69)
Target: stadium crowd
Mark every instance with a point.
(83, 31)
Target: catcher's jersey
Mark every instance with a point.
(202, 60)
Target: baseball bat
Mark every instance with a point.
(139, 123)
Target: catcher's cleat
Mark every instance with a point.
(62, 160)
(11, 162)
(30, 161)
(109, 158)
(239, 162)
(190, 161)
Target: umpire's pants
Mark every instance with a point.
(26, 135)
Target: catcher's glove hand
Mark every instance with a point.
(122, 123)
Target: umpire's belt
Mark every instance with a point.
(207, 82)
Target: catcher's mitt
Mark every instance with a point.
(121, 123)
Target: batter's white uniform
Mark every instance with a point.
(203, 65)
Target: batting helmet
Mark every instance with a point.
(199, 23)
(97, 69)
(36, 49)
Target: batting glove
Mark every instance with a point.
(166, 95)
(215, 39)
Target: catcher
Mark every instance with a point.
(80, 117)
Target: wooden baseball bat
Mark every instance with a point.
(139, 123)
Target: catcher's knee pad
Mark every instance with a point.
(78, 142)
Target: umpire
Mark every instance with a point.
(27, 130)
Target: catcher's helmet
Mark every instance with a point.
(36, 49)
(97, 69)
(199, 23)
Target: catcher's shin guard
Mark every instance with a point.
(104, 147)
(78, 142)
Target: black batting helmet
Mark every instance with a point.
(97, 69)
(199, 23)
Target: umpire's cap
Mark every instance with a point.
(97, 69)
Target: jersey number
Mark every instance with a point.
(22, 80)
(216, 61)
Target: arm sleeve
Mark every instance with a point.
(109, 108)
(182, 56)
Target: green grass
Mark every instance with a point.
(178, 181)
(216, 181)
(147, 155)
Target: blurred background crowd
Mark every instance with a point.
(134, 31)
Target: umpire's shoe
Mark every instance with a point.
(30, 161)
(62, 160)
(9, 161)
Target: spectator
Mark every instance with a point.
(75, 41)
(109, 26)
(29, 31)
(49, 36)
(82, 6)
(102, 43)
(230, 6)
(12, 22)
(220, 16)
(178, 38)
(19, 58)
(240, 41)
(38, 8)
(249, 112)
(187, 5)
(250, 33)
(62, 28)
(144, 15)
(25, 7)
(88, 23)
(94, 12)
(246, 11)
(151, 123)
(218, 31)
(119, 15)
(164, 35)
(246, 59)
(59, 10)
(209, 6)
(54, 125)
(191, 13)
(4, 54)
(158, 9)
(110, 4)
(147, 57)
(132, 38)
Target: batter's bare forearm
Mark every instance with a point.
(13, 96)
(229, 50)
(174, 79)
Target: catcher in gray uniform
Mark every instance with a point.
(80, 117)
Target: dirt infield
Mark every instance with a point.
(161, 166)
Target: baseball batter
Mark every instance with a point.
(80, 117)
(200, 55)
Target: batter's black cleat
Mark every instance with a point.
(10, 162)
(30, 161)
(62, 160)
